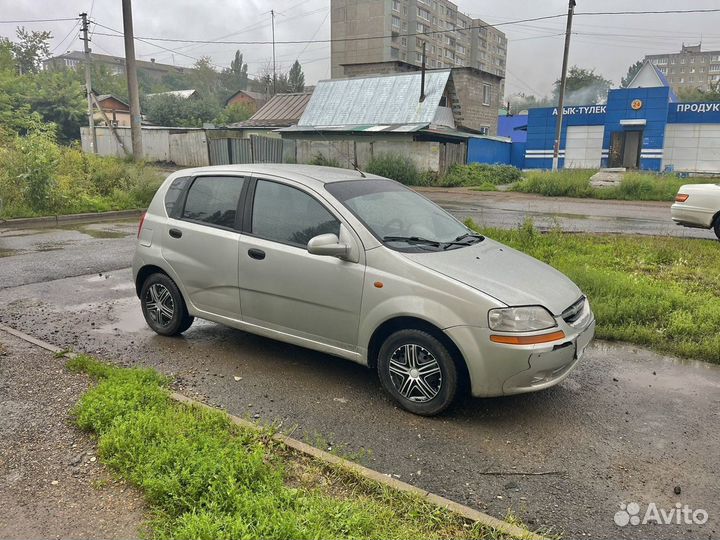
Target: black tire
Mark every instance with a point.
(173, 318)
(439, 389)
(716, 228)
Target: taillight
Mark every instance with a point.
(142, 220)
(681, 197)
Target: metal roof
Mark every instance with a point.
(184, 94)
(281, 111)
(372, 128)
(376, 100)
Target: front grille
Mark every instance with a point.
(574, 312)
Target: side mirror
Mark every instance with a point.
(329, 245)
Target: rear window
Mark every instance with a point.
(214, 200)
(173, 197)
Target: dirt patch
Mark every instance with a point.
(53, 483)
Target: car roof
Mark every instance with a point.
(306, 174)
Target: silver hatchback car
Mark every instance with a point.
(360, 267)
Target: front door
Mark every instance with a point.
(625, 149)
(287, 289)
(201, 244)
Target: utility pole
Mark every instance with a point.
(88, 83)
(563, 81)
(132, 81)
(272, 17)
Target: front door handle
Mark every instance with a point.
(257, 254)
(175, 233)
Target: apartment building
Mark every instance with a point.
(690, 68)
(116, 64)
(451, 38)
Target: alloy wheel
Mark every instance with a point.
(159, 304)
(415, 373)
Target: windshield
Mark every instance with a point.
(401, 218)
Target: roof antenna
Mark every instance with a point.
(355, 161)
(422, 75)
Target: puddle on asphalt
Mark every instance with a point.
(129, 318)
(104, 233)
(116, 229)
(50, 246)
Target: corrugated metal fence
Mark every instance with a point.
(256, 149)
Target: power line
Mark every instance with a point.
(333, 40)
(56, 47)
(28, 21)
(649, 12)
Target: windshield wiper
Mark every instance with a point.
(412, 240)
(480, 237)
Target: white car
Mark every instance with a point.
(698, 205)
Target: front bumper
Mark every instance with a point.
(498, 369)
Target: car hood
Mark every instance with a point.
(508, 275)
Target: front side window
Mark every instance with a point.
(214, 200)
(288, 215)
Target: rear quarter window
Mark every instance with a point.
(174, 194)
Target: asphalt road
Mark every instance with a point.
(508, 210)
(626, 426)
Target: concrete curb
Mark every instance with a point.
(304, 448)
(54, 221)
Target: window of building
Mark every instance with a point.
(461, 49)
(715, 58)
(484, 130)
(285, 214)
(394, 52)
(672, 60)
(421, 28)
(486, 94)
(682, 80)
(423, 13)
(682, 60)
(662, 61)
(396, 5)
(403, 42)
(682, 70)
(692, 79)
(692, 59)
(214, 200)
(714, 68)
(395, 22)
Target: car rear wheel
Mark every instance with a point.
(716, 228)
(418, 371)
(163, 306)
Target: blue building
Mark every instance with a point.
(639, 127)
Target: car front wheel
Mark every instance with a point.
(716, 228)
(163, 306)
(418, 371)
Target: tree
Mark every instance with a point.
(296, 78)
(522, 102)
(7, 62)
(265, 78)
(30, 49)
(632, 71)
(697, 94)
(237, 112)
(206, 79)
(584, 86)
(60, 98)
(236, 77)
(170, 110)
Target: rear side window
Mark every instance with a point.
(173, 197)
(214, 200)
(288, 215)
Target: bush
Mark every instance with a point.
(481, 174)
(564, 183)
(321, 160)
(38, 176)
(397, 167)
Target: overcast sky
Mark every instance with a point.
(607, 43)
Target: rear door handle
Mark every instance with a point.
(257, 254)
(175, 233)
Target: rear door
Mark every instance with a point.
(287, 289)
(201, 243)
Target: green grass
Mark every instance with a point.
(205, 477)
(663, 293)
(635, 186)
(481, 175)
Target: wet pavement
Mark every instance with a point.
(508, 210)
(627, 426)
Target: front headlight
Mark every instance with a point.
(520, 319)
